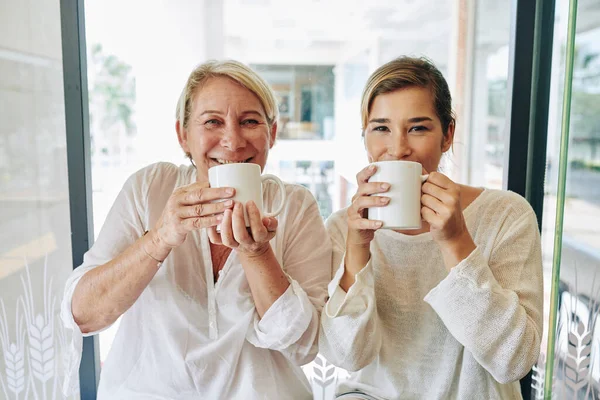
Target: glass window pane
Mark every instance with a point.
(488, 97)
(35, 240)
(576, 354)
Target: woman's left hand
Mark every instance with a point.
(252, 241)
(441, 208)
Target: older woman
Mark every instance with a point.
(207, 315)
(449, 311)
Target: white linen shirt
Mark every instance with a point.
(411, 330)
(186, 337)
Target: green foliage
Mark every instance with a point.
(112, 94)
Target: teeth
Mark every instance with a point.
(221, 161)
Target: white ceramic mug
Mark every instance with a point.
(248, 184)
(404, 209)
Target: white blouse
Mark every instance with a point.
(411, 330)
(187, 337)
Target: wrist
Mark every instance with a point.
(457, 249)
(155, 247)
(260, 252)
(356, 258)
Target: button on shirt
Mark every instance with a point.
(187, 337)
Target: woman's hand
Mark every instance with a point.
(360, 229)
(252, 241)
(442, 210)
(190, 208)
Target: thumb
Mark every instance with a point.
(270, 223)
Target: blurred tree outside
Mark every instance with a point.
(112, 98)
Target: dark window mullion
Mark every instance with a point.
(79, 164)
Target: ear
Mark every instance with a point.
(182, 137)
(273, 135)
(448, 138)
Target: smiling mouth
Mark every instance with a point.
(223, 161)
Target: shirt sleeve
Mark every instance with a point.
(492, 304)
(291, 324)
(122, 227)
(350, 337)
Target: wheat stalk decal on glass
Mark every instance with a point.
(539, 373)
(324, 373)
(576, 359)
(29, 360)
(40, 330)
(14, 354)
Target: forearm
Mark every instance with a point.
(265, 277)
(357, 256)
(350, 333)
(106, 292)
(478, 311)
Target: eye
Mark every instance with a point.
(381, 128)
(212, 122)
(250, 122)
(418, 128)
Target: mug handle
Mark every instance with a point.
(424, 178)
(269, 177)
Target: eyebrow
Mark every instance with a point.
(387, 121)
(252, 112)
(220, 113)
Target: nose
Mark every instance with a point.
(232, 138)
(399, 147)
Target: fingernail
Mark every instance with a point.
(219, 217)
(229, 190)
(228, 203)
(372, 167)
(384, 200)
(377, 224)
(385, 186)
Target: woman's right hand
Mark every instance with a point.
(360, 229)
(190, 208)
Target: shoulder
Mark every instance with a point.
(337, 223)
(161, 174)
(297, 191)
(298, 197)
(505, 200)
(152, 185)
(340, 217)
(502, 210)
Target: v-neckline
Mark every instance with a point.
(209, 267)
(217, 275)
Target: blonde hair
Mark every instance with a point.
(235, 71)
(405, 72)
